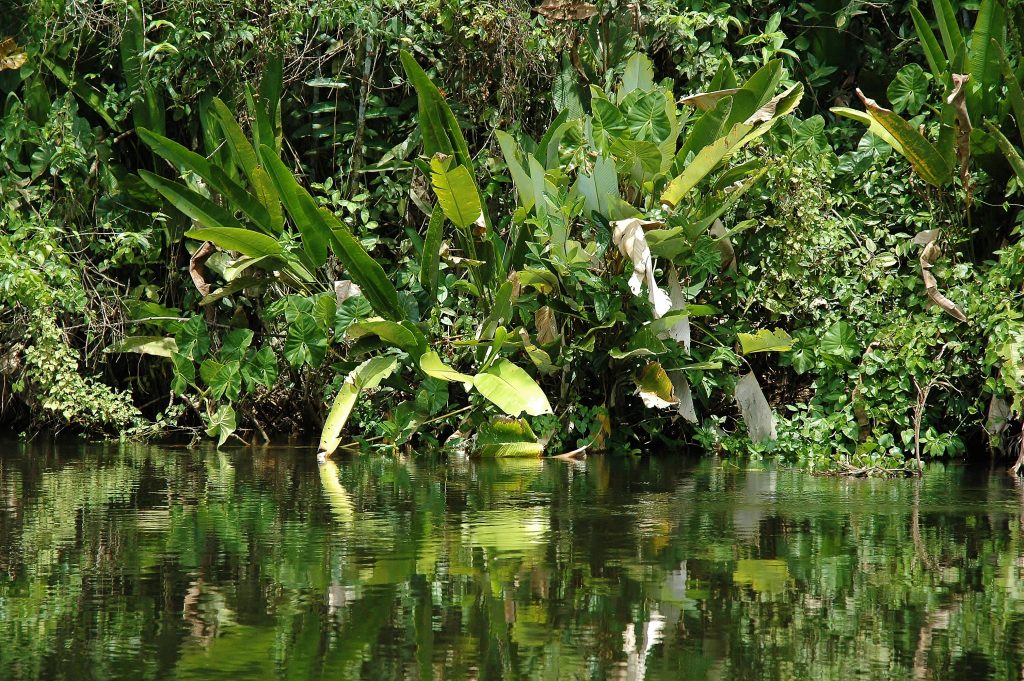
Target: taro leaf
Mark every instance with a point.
(638, 74)
(655, 387)
(431, 365)
(184, 373)
(840, 340)
(505, 437)
(647, 119)
(223, 378)
(260, 368)
(566, 10)
(235, 344)
(305, 343)
(158, 346)
(685, 395)
(11, 56)
(221, 424)
(245, 241)
(639, 159)
(755, 409)
(193, 339)
(608, 123)
(355, 308)
(512, 390)
(765, 341)
(909, 89)
(325, 309)
(456, 191)
(366, 376)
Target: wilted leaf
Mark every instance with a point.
(157, 346)
(343, 290)
(931, 253)
(684, 395)
(655, 387)
(706, 101)
(958, 100)
(566, 10)
(755, 409)
(11, 56)
(628, 235)
(724, 246)
(765, 341)
(547, 329)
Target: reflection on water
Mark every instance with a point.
(149, 563)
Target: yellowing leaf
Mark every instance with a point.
(765, 341)
(11, 56)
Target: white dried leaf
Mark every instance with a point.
(628, 236)
(757, 413)
(684, 395)
(343, 290)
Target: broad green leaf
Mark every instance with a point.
(504, 437)
(366, 376)
(223, 378)
(755, 93)
(431, 365)
(245, 241)
(184, 375)
(607, 123)
(641, 160)
(456, 191)
(924, 157)
(430, 260)
(704, 131)
(235, 344)
(193, 338)
(909, 89)
(874, 127)
(645, 342)
(158, 346)
(305, 342)
(520, 178)
(391, 333)
(194, 205)
(647, 118)
(512, 390)
(356, 307)
(638, 74)
(765, 341)
(599, 188)
(840, 340)
(705, 162)
(655, 388)
(221, 424)
(260, 368)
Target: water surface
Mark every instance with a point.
(158, 563)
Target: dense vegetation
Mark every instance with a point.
(777, 228)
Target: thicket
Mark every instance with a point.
(515, 229)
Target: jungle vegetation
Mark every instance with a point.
(775, 228)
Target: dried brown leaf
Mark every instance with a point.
(11, 56)
(566, 10)
(931, 253)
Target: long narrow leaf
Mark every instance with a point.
(245, 241)
(1012, 155)
(431, 259)
(924, 157)
(198, 207)
(456, 191)
(1013, 89)
(301, 207)
(930, 44)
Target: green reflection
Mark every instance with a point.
(171, 564)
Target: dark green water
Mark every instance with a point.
(148, 563)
